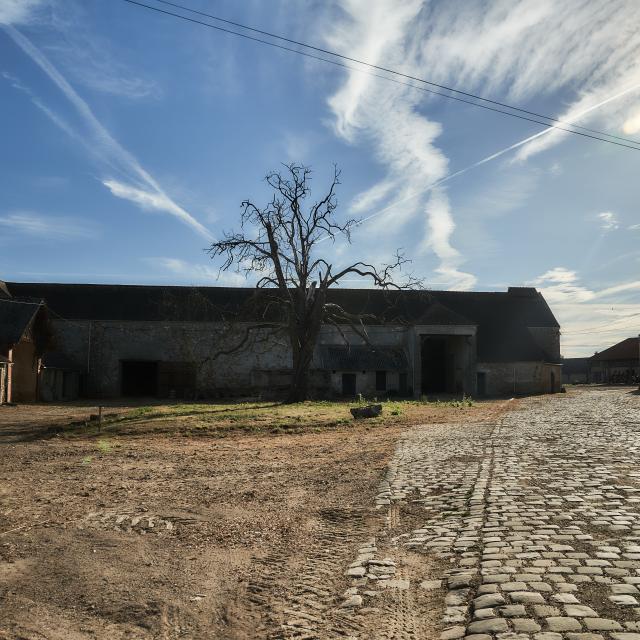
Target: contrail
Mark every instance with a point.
(148, 192)
(497, 154)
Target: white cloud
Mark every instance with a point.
(505, 47)
(145, 189)
(372, 196)
(151, 200)
(590, 320)
(632, 124)
(92, 65)
(525, 49)
(608, 220)
(634, 227)
(555, 169)
(440, 227)
(297, 146)
(619, 288)
(198, 273)
(517, 49)
(368, 111)
(87, 56)
(16, 12)
(558, 275)
(92, 59)
(589, 103)
(51, 227)
(561, 285)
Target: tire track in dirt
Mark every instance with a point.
(305, 608)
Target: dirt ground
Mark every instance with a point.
(172, 535)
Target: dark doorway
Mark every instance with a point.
(349, 384)
(139, 378)
(553, 382)
(481, 378)
(403, 383)
(381, 380)
(434, 364)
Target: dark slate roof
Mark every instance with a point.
(502, 318)
(437, 313)
(15, 318)
(626, 350)
(355, 358)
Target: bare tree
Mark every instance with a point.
(280, 244)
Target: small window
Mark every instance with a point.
(381, 380)
(481, 382)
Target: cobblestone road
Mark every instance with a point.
(535, 519)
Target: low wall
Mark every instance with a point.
(520, 378)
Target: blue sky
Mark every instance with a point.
(129, 140)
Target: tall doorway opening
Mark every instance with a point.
(349, 384)
(434, 357)
(139, 378)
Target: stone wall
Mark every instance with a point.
(366, 384)
(58, 385)
(98, 348)
(521, 378)
(387, 336)
(605, 371)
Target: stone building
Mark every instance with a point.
(575, 370)
(23, 339)
(617, 364)
(158, 341)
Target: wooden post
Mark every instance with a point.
(99, 419)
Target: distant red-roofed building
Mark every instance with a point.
(619, 364)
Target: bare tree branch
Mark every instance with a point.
(279, 243)
(249, 330)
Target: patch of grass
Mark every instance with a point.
(138, 412)
(104, 446)
(222, 418)
(466, 401)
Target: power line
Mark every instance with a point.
(393, 71)
(616, 330)
(607, 328)
(385, 69)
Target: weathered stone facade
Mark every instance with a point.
(99, 348)
(160, 341)
(521, 378)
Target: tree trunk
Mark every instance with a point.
(303, 333)
(302, 356)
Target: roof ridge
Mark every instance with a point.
(206, 286)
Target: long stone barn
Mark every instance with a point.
(157, 341)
